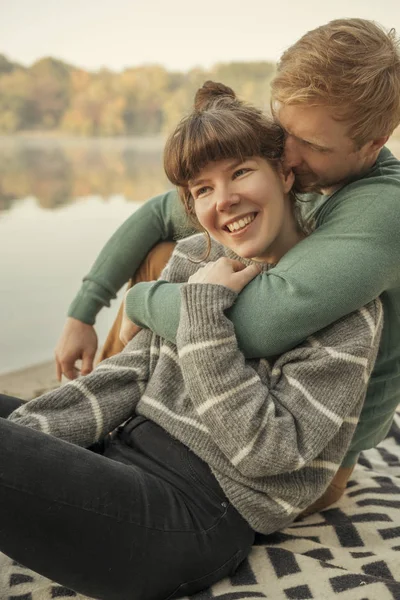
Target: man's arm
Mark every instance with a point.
(270, 425)
(160, 218)
(351, 258)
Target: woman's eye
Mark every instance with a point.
(201, 191)
(240, 172)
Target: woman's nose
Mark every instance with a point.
(226, 199)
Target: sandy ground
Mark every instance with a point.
(30, 382)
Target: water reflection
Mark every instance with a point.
(47, 252)
(60, 200)
(60, 171)
(57, 172)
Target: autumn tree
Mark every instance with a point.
(16, 106)
(50, 91)
(146, 100)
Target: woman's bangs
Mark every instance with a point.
(201, 139)
(213, 140)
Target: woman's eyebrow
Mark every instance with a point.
(231, 165)
(200, 181)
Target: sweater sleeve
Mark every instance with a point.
(161, 218)
(321, 279)
(83, 411)
(267, 423)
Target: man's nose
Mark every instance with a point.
(292, 156)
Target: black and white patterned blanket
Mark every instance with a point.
(349, 552)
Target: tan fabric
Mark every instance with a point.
(150, 270)
(333, 492)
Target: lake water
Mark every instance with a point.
(59, 203)
(60, 200)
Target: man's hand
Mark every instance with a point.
(128, 328)
(78, 341)
(228, 272)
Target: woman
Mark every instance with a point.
(207, 447)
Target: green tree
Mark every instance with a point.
(145, 89)
(50, 93)
(16, 107)
(180, 101)
(250, 81)
(6, 66)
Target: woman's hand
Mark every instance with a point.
(128, 328)
(228, 272)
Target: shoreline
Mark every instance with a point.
(30, 382)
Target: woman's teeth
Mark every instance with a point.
(236, 225)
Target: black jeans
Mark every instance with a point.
(144, 520)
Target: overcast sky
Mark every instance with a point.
(178, 34)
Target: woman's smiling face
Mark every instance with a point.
(245, 206)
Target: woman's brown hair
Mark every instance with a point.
(220, 127)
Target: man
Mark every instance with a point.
(337, 95)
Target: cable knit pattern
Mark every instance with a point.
(274, 432)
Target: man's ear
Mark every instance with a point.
(377, 144)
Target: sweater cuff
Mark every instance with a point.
(203, 305)
(136, 299)
(87, 303)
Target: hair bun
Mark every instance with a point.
(209, 92)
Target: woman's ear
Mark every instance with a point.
(287, 177)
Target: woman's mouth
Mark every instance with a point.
(241, 224)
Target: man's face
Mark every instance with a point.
(318, 148)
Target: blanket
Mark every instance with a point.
(350, 551)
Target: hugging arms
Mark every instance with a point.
(243, 442)
(330, 273)
(258, 440)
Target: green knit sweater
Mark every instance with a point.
(352, 257)
(274, 432)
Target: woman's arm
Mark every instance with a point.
(351, 258)
(271, 419)
(86, 409)
(158, 219)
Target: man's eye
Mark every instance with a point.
(320, 150)
(315, 148)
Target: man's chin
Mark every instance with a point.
(304, 185)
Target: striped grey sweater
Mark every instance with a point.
(273, 431)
